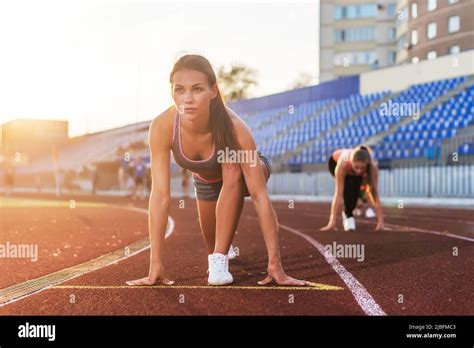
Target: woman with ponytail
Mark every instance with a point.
(198, 129)
(352, 168)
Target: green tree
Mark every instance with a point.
(304, 79)
(235, 81)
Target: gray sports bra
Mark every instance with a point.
(209, 167)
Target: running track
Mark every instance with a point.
(410, 270)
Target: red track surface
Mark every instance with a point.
(419, 266)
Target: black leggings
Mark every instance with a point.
(351, 188)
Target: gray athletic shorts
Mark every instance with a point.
(209, 191)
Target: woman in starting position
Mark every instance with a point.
(352, 168)
(197, 129)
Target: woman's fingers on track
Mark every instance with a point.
(292, 281)
(328, 228)
(266, 281)
(167, 281)
(137, 282)
(147, 281)
(287, 280)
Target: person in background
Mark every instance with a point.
(130, 178)
(122, 173)
(351, 168)
(148, 178)
(139, 176)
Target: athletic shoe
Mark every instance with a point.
(219, 270)
(357, 212)
(348, 223)
(232, 255)
(369, 213)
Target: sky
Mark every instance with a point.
(103, 64)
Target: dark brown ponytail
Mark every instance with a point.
(222, 127)
(364, 154)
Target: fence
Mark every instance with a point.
(430, 181)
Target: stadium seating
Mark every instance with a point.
(320, 127)
(419, 138)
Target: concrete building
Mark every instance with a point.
(356, 36)
(427, 29)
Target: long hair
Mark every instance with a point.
(363, 153)
(221, 124)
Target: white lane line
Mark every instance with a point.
(421, 230)
(406, 228)
(28, 288)
(360, 293)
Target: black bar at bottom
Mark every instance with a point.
(139, 330)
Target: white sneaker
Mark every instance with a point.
(231, 254)
(369, 213)
(219, 270)
(348, 223)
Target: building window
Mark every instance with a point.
(355, 34)
(454, 24)
(355, 11)
(367, 10)
(414, 10)
(454, 49)
(415, 60)
(392, 33)
(355, 58)
(414, 37)
(392, 57)
(431, 55)
(431, 5)
(392, 9)
(431, 30)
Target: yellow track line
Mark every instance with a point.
(312, 287)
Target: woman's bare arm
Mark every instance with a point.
(257, 187)
(158, 208)
(376, 201)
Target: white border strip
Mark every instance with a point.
(419, 230)
(169, 231)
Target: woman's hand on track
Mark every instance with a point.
(330, 226)
(278, 275)
(155, 274)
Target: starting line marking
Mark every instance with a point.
(51, 281)
(312, 287)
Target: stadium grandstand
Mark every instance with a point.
(420, 121)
